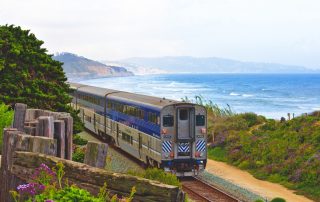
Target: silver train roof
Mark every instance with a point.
(125, 96)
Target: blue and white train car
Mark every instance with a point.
(160, 132)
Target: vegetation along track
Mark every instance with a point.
(198, 190)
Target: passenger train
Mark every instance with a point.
(159, 132)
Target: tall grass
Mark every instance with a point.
(213, 108)
(158, 175)
(6, 116)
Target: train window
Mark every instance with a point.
(152, 117)
(127, 138)
(167, 121)
(87, 118)
(109, 105)
(183, 114)
(200, 120)
(141, 114)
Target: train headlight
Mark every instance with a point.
(171, 154)
(201, 154)
(166, 155)
(164, 131)
(203, 130)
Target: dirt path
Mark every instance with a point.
(246, 180)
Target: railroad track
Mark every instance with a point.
(198, 190)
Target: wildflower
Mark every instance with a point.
(43, 174)
(31, 188)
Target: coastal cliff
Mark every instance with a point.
(78, 68)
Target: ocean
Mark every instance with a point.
(271, 95)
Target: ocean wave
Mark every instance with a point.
(247, 95)
(234, 94)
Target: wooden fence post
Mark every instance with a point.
(59, 134)
(96, 154)
(19, 116)
(46, 126)
(68, 120)
(9, 144)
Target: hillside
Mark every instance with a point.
(78, 67)
(285, 152)
(186, 64)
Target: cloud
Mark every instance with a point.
(258, 30)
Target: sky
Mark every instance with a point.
(276, 31)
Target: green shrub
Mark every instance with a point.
(162, 176)
(278, 200)
(217, 153)
(78, 155)
(79, 140)
(259, 200)
(6, 116)
(244, 165)
(252, 118)
(158, 175)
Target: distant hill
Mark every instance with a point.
(136, 69)
(185, 64)
(78, 67)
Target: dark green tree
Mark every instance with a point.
(29, 75)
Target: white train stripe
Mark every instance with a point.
(201, 145)
(167, 146)
(184, 147)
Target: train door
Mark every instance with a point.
(185, 131)
(140, 145)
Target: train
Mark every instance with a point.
(159, 132)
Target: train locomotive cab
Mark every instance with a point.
(183, 135)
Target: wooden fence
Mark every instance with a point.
(41, 136)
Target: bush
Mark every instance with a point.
(162, 176)
(244, 165)
(158, 175)
(79, 140)
(252, 119)
(78, 154)
(278, 200)
(217, 153)
(6, 115)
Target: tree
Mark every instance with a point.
(29, 75)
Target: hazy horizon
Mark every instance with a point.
(281, 32)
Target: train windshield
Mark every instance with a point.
(167, 121)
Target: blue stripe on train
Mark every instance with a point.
(166, 146)
(184, 147)
(201, 145)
